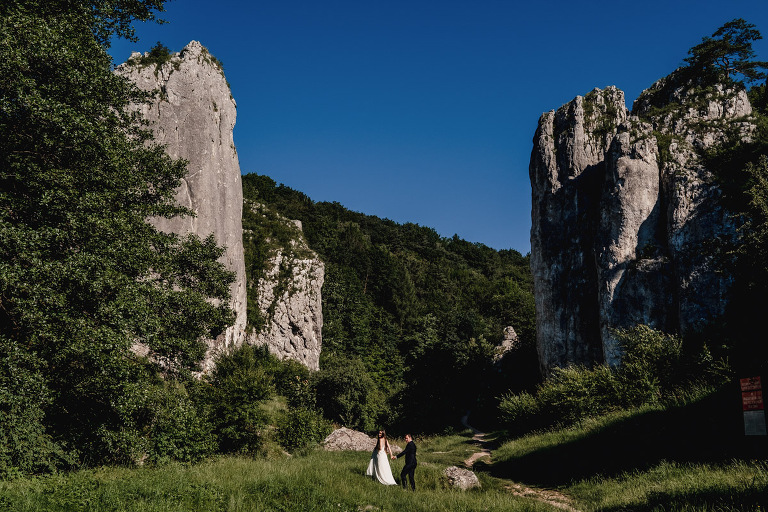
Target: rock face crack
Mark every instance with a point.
(618, 226)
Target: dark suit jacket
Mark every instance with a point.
(410, 454)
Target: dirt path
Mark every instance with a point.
(550, 497)
(479, 440)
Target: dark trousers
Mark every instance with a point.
(408, 471)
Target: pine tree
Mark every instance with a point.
(728, 53)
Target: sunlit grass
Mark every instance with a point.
(321, 481)
(738, 485)
(598, 463)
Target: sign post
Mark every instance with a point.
(752, 404)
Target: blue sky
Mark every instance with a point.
(424, 111)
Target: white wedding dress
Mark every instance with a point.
(379, 468)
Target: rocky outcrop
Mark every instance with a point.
(345, 439)
(287, 294)
(194, 116)
(623, 209)
(509, 342)
(463, 479)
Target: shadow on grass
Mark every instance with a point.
(713, 499)
(708, 431)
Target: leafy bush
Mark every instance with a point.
(575, 392)
(651, 363)
(654, 369)
(518, 408)
(347, 395)
(241, 380)
(301, 428)
(25, 446)
(157, 55)
(567, 396)
(292, 380)
(179, 429)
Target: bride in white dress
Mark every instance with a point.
(378, 467)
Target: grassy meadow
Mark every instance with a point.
(562, 461)
(317, 481)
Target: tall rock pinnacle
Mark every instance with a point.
(194, 117)
(623, 208)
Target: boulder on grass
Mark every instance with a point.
(461, 478)
(345, 439)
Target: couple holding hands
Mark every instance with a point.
(379, 468)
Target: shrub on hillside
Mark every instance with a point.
(567, 396)
(654, 369)
(576, 392)
(652, 363)
(519, 409)
(347, 395)
(292, 380)
(180, 431)
(240, 382)
(301, 428)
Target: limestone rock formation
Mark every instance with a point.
(288, 295)
(194, 115)
(345, 439)
(463, 479)
(623, 209)
(509, 342)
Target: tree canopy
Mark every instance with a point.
(84, 278)
(417, 313)
(728, 53)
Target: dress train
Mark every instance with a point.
(378, 467)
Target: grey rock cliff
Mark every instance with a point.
(618, 230)
(289, 299)
(194, 116)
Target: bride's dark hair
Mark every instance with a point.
(382, 433)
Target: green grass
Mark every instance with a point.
(321, 481)
(736, 485)
(649, 459)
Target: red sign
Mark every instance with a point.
(750, 384)
(752, 403)
(752, 400)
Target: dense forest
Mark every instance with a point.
(419, 316)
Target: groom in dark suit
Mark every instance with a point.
(410, 462)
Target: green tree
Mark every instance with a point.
(241, 380)
(84, 277)
(728, 53)
(750, 270)
(421, 312)
(347, 395)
